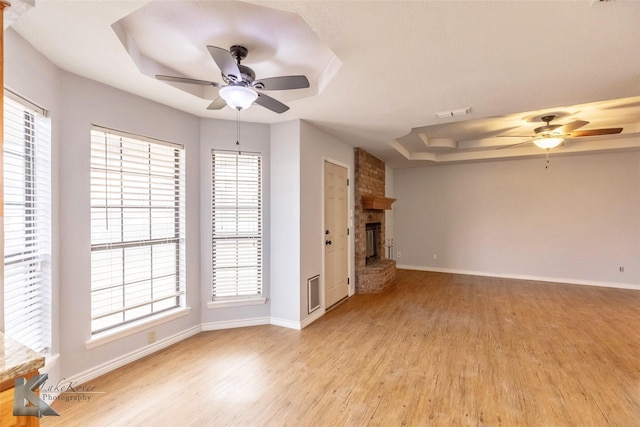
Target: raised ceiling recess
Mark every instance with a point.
(171, 39)
(593, 127)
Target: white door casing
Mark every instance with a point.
(336, 237)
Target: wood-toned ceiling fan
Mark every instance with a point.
(550, 136)
(241, 88)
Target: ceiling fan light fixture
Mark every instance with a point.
(238, 97)
(548, 143)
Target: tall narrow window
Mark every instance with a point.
(237, 224)
(27, 224)
(137, 228)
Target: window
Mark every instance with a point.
(27, 224)
(236, 224)
(137, 228)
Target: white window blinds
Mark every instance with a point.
(236, 224)
(137, 228)
(27, 224)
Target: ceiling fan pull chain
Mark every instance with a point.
(238, 130)
(547, 165)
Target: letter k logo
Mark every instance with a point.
(24, 394)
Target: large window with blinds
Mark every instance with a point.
(236, 224)
(137, 228)
(27, 223)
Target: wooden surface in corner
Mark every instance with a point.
(437, 350)
(6, 409)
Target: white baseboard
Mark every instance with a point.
(521, 277)
(118, 362)
(312, 318)
(229, 324)
(291, 324)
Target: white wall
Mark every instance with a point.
(578, 221)
(75, 104)
(388, 214)
(293, 156)
(298, 152)
(317, 147)
(285, 223)
(36, 79)
(83, 103)
(221, 135)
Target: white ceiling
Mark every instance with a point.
(378, 68)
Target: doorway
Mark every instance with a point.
(336, 237)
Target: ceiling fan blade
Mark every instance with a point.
(218, 104)
(186, 80)
(569, 127)
(271, 103)
(283, 83)
(595, 132)
(515, 145)
(225, 62)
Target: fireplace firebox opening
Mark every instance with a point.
(372, 233)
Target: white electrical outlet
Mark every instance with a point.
(435, 257)
(398, 254)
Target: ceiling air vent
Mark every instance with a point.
(453, 113)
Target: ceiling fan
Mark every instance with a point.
(241, 88)
(550, 136)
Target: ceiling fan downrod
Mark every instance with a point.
(238, 52)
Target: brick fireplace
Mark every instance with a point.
(374, 271)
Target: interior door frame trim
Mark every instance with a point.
(352, 287)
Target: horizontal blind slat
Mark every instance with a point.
(26, 222)
(137, 227)
(236, 201)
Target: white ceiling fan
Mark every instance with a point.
(241, 89)
(550, 136)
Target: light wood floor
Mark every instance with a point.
(437, 349)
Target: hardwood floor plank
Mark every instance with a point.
(437, 349)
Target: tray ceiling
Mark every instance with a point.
(394, 64)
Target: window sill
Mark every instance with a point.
(135, 327)
(237, 302)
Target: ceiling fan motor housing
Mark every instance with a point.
(247, 75)
(547, 129)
